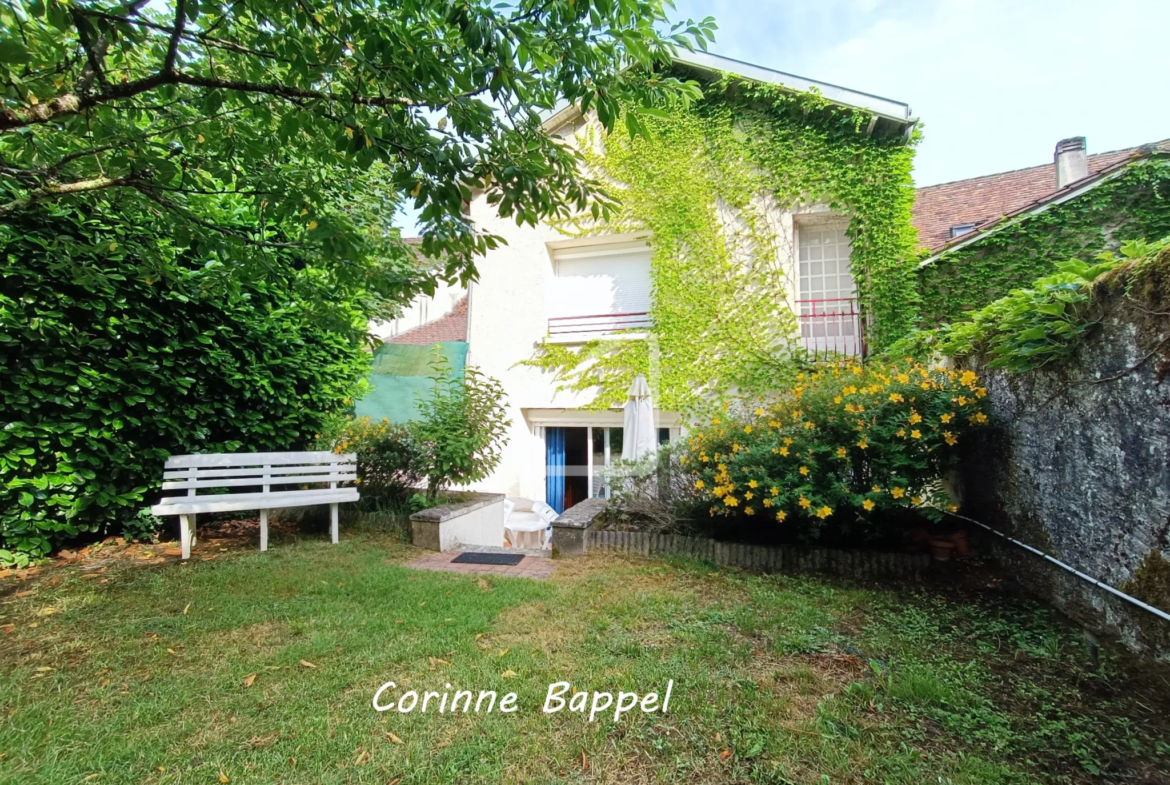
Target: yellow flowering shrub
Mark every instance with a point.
(389, 461)
(846, 442)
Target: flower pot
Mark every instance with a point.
(941, 549)
(962, 548)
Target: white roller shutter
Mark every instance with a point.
(601, 279)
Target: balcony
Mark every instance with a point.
(573, 329)
(831, 326)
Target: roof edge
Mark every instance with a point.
(1070, 191)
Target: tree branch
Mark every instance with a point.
(173, 47)
(64, 189)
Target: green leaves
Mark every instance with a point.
(290, 108)
(462, 429)
(1031, 327)
(106, 366)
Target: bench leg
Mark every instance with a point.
(185, 535)
(333, 522)
(263, 530)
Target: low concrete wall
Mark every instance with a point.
(571, 525)
(477, 520)
(1078, 465)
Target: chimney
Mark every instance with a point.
(1071, 162)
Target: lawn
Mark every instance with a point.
(261, 668)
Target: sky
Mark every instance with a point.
(995, 83)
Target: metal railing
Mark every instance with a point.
(596, 324)
(831, 326)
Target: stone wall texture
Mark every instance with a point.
(1078, 466)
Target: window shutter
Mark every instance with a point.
(601, 279)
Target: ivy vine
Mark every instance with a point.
(1133, 206)
(707, 185)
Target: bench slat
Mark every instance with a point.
(246, 481)
(256, 459)
(272, 471)
(188, 505)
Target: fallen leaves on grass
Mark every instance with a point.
(508, 674)
(365, 756)
(250, 680)
(307, 664)
(725, 755)
(393, 739)
(584, 761)
(224, 779)
(504, 651)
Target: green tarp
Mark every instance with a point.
(401, 374)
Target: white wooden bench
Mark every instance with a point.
(254, 470)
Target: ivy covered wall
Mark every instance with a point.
(1133, 206)
(715, 186)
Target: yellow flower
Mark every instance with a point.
(841, 452)
(714, 420)
(747, 429)
(980, 417)
(748, 495)
(805, 503)
(950, 437)
(787, 440)
(863, 444)
(968, 378)
(748, 511)
(897, 493)
(981, 392)
(775, 491)
(915, 417)
(903, 378)
(804, 470)
(963, 400)
(902, 432)
(916, 500)
(767, 502)
(868, 504)
(877, 489)
(753, 484)
(837, 399)
(915, 434)
(781, 515)
(699, 484)
(783, 451)
(759, 412)
(731, 501)
(824, 512)
(809, 425)
(953, 507)
(947, 418)
(896, 397)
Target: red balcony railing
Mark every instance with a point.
(831, 326)
(596, 324)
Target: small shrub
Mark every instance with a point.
(463, 428)
(389, 459)
(846, 442)
(142, 527)
(656, 493)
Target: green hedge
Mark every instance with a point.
(119, 350)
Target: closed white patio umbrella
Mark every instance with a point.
(640, 437)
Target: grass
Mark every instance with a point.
(778, 679)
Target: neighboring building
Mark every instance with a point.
(401, 372)
(546, 286)
(990, 234)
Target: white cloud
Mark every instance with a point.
(995, 82)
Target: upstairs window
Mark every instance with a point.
(599, 289)
(961, 229)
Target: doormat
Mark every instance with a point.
(488, 558)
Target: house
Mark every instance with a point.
(565, 315)
(987, 235)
